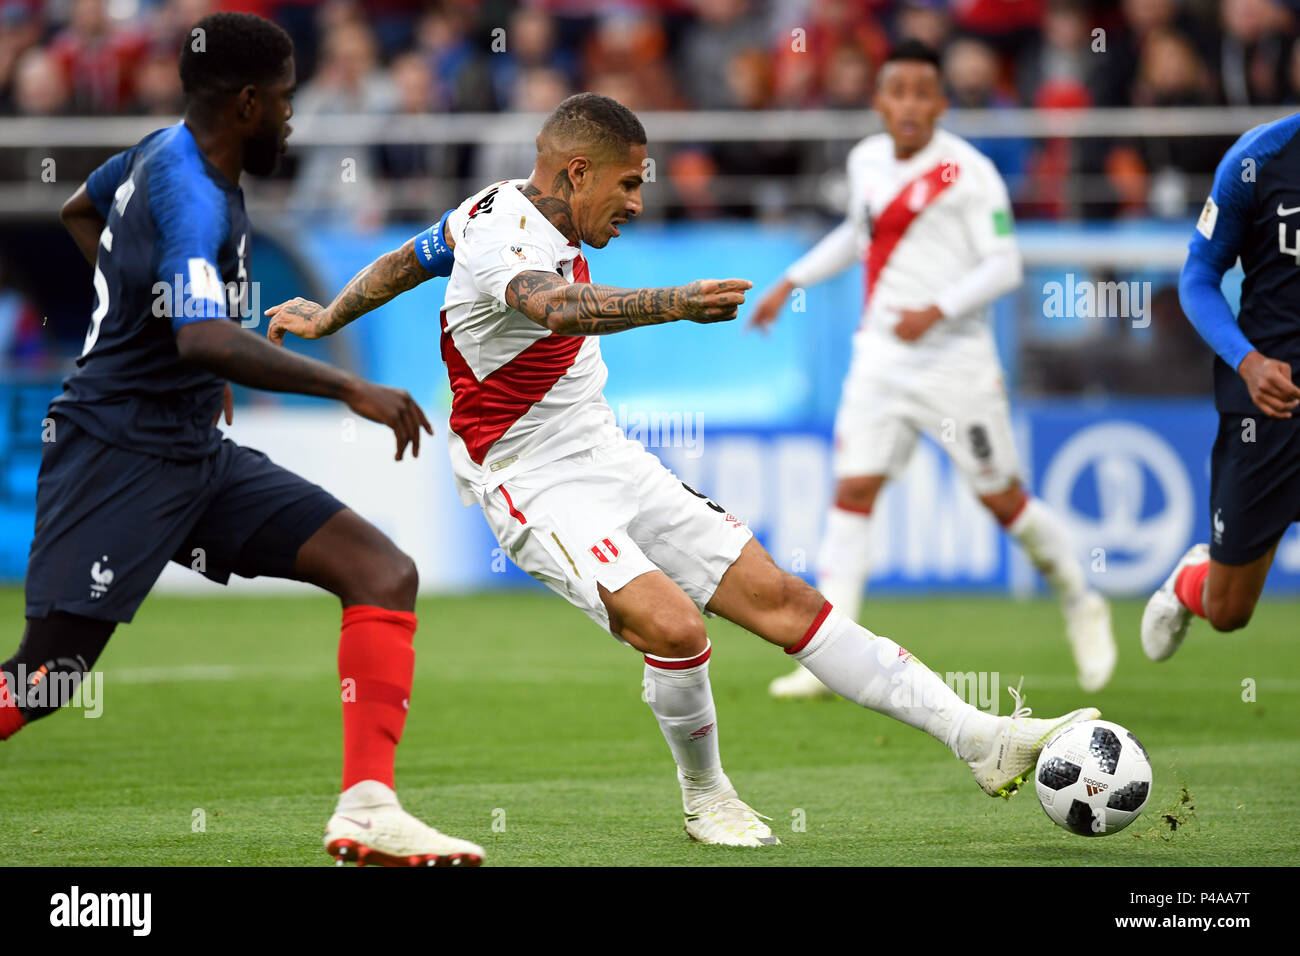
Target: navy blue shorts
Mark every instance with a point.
(1254, 485)
(108, 520)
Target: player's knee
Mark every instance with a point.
(389, 581)
(675, 634)
(856, 494)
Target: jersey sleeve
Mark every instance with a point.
(192, 220)
(1213, 250)
(986, 217)
(103, 182)
(986, 212)
(495, 252)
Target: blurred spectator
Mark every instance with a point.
(848, 80)
(971, 73)
(802, 60)
(40, 88)
(924, 20)
(97, 58)
(460, 76)
(724, 28)
(340, 180)
(634, 44)
(158, 87)
(20, 29)
(1006, 24)
(530, 44)
(1253, 51)
(1171, 74)
(1062, 55)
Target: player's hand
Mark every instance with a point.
(298, 315)
(227, 406)
(914, 323)
(392, 407)
(1270, 385)
(769, 307)
(710, 300)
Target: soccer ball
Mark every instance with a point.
(1093, 778)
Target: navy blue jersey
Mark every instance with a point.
(1253, 212)
(175, 250)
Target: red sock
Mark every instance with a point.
(1190, 584)
(376, 667)
(11, 718)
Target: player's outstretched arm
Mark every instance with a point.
(386, 278)
(242, 356)
(581, 308)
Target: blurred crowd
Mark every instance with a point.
(99, 57)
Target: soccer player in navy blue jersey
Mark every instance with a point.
(138, 473)
(1251, 214)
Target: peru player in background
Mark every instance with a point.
(930, 218)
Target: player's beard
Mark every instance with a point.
(262, 153)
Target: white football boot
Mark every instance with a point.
(1016, 745)
(370, 828)
(1166, 619)
(799, 684)
(730, 822)
(1087, 624)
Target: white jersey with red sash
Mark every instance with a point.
(923, 223)
(521, 395)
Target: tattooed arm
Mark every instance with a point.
(386, 277)
(581, 308)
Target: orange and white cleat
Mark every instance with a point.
(370, 828)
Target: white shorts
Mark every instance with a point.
(877, 425)
(610, 514)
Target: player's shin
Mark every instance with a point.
(844, 560)
(679, 694)
(874, 672)
(1040, 532)
(376, 668)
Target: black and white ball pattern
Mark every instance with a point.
(1093, 778)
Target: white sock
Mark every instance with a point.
(844, 560)
(679, 694)
(876, 673)
(1047, 543)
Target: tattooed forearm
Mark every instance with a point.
(386, 277)
(585, 309)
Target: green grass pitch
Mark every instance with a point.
(527, 734)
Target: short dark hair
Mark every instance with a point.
(595, 119)
(232, 51)
(912, 50)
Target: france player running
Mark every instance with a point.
(592, 514)
(1251, 213)
(138, 474)
(930, 219)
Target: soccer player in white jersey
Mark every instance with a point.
(596, 517)
(930, 219)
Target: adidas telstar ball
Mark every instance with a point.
(1093, 778)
